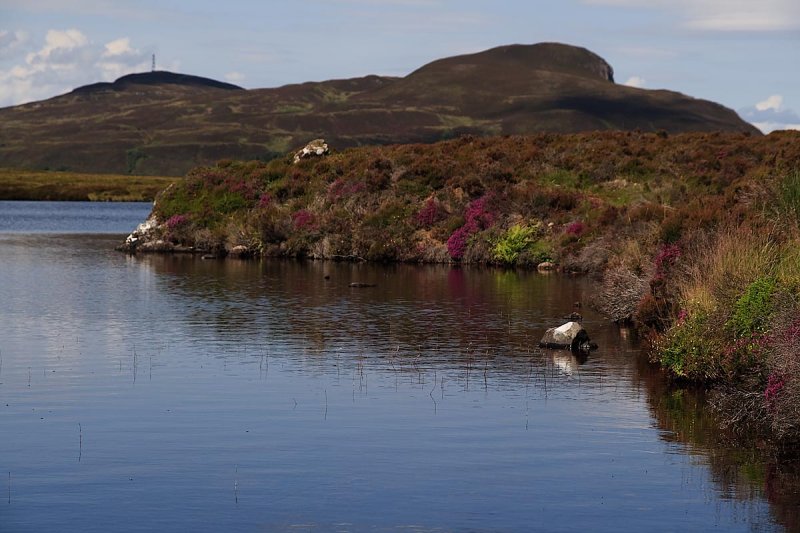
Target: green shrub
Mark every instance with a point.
(690, 350)
(538, 252)
(513, 243)
(754, 308)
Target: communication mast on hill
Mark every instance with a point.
(153, 68)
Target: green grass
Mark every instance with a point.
(74, 186)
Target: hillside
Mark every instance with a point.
(163, 123)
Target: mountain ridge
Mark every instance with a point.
(165, 123)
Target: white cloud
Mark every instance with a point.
(724, 15)
(636, 81)
(57, 44)
(234, 77)
(774, 102)
(118, 47)
(770, 115)
(67, 59)
(119, 58)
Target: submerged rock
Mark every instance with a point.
(569, 336)
(240, 251)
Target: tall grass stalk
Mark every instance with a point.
(724, 264)
(789, 196)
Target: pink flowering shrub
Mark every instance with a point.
(303, 219)
(477, 217)
(430, 214)
(342, 189)
(264, 201)
(178, 228)
(457, 243)
(667, 257)
(576, 228)
(478, 213)
(744, 354)
(775, 384)
(176, 221)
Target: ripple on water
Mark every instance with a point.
(178, 394)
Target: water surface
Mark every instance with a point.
(180, 394)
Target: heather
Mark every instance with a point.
(692, 237)
(579, 199)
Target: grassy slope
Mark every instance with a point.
(30, 185)
(694, 235)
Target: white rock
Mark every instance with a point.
(317, 147)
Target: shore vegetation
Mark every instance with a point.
(693, 237)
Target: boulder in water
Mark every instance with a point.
(569, 336)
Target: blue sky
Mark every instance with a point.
(742, 54)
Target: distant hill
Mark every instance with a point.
(165, 123)
(159, 77)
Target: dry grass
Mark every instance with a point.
(621, 292)
(33, 185)
(725, 262)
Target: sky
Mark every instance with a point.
(744, 54)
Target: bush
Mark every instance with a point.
(753, 310)
(576, 228)
(477, 217)
(430, 214)
(782, 390)
(538, 252)
(457, 243)
(513, 243)
(620, 294)
(690, 349)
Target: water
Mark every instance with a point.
(179, 394)
(71, 217)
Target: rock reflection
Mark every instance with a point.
(567, 362)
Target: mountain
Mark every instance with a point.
(165, 123)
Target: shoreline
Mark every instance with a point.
(695, 236)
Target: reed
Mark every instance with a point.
(236, 485)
